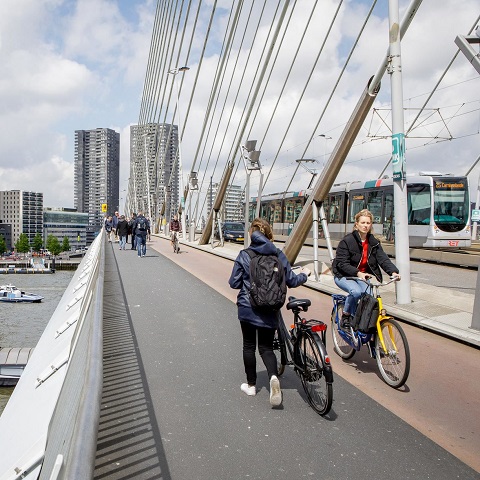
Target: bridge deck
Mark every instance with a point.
(172, 407)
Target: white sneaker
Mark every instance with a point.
(249, 390)
(275, 392)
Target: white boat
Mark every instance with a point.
(10, 293)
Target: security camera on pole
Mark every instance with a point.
(251, 160)
(402, 254)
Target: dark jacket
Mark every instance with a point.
(122, 228)
(349, 255)
(175, 226)
(109, 225)
(137, 230)
(240, 278)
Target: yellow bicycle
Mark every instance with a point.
(386, 342)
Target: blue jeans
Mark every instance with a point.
(354, 288)
(141, 241)
(122, 242)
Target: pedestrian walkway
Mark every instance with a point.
(447, 312)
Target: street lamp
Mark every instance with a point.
(251, 160)
(326, 137)
(175, 72)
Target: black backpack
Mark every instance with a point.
(268, 289)
(142, 223)
(366, 315)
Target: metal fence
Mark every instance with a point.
(48, 429)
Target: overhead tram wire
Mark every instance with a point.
(439, 81)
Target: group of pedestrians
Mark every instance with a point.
(120, 228)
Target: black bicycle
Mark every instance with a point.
(304, 348)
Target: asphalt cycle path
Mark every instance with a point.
(441, 398)
(189, 344)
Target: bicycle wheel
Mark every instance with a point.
(280, 352)
(319, 391)
(394, 364)
(341, 347)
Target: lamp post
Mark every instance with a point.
(251, 160)
(175, 72)
(326, 137)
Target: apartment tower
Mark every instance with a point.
(154, 170)
(97, 175)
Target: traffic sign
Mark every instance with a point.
(475, 215)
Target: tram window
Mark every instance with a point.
(374, 204)
(388, 224)
(450, 207)
(333, 208)
(357, 203)
(419, 204)
(293, 207)
(277, 218)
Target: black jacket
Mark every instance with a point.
(122, 228)
(349, 256)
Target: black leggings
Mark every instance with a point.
(265, 348)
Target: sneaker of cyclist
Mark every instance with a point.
(175, 227)
(359, 254)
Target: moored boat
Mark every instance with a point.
(10, 293)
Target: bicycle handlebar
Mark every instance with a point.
(377, 284)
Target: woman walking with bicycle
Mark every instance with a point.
(359, 254)
(253, 321)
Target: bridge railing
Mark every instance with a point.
(48, 429)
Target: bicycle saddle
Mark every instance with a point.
(298, 304)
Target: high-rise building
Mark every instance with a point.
(154, 170)
(97, 175)
(233, 204)
(23, 211)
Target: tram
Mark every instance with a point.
(438, 209)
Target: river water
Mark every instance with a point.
(22, 324)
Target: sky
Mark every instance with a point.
(72, 65)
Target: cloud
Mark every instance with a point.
(65, 66)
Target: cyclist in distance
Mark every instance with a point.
(261, 322)
(359, 254)
(175, 227)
